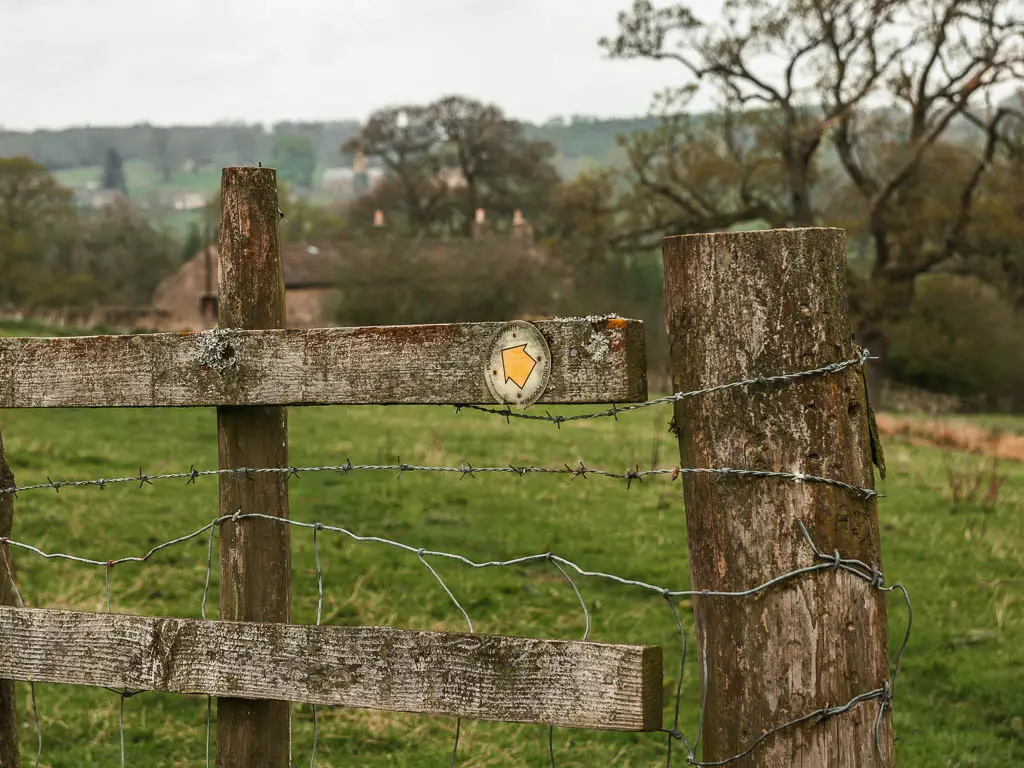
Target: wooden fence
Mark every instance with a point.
(737, 306)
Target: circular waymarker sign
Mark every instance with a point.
(519, 366)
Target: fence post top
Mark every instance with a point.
(780, 233)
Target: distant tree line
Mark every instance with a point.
(54, 255)
(168, 147)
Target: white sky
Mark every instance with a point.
(116, 62)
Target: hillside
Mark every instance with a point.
(171, 171)
(579, 141)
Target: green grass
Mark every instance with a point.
(178, 223)
(992, 421)
(143, 179)
(961, 693)
(34, 328)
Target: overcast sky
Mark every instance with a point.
(116, 62)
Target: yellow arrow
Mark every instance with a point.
(518, 365)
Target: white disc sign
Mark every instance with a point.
(520, 364)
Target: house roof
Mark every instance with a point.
(305, 265)
(308, 266)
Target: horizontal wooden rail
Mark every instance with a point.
(488, 677)
(591, 361)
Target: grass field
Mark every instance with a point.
(961, 693)
(144, 181)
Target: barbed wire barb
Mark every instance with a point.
(613, 412)
(463, 469)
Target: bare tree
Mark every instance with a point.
(963, 53)
(880, 89)
(405, 141)
(501, 169)
(832, 55)
(449, 158)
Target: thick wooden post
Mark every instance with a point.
(255, 566)
(761, 303)
(9, 757)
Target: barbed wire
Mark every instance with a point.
(508, 413)
(465, 470)
(874, 578)
(821, 561)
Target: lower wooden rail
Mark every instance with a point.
(488, 677)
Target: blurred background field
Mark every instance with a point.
(952, 526)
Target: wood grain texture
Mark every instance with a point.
(599, 361)
(255, 555)
(490, 677)
(9, 755)
(763, 303)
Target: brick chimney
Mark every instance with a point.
(522, 231)
(480, 224)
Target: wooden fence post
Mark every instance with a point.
(255, 565)
(9, 756)
(762, 303)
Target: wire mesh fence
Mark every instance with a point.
(572, 572)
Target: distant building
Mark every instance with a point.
(336, 178)
(189, 201)
(187, 300)
(102, 198)
(349, 181)
(451, 177)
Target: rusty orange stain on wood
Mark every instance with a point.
(618, 323)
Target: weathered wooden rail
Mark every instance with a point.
(250, 369)
(601, 361)
(514, 679)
